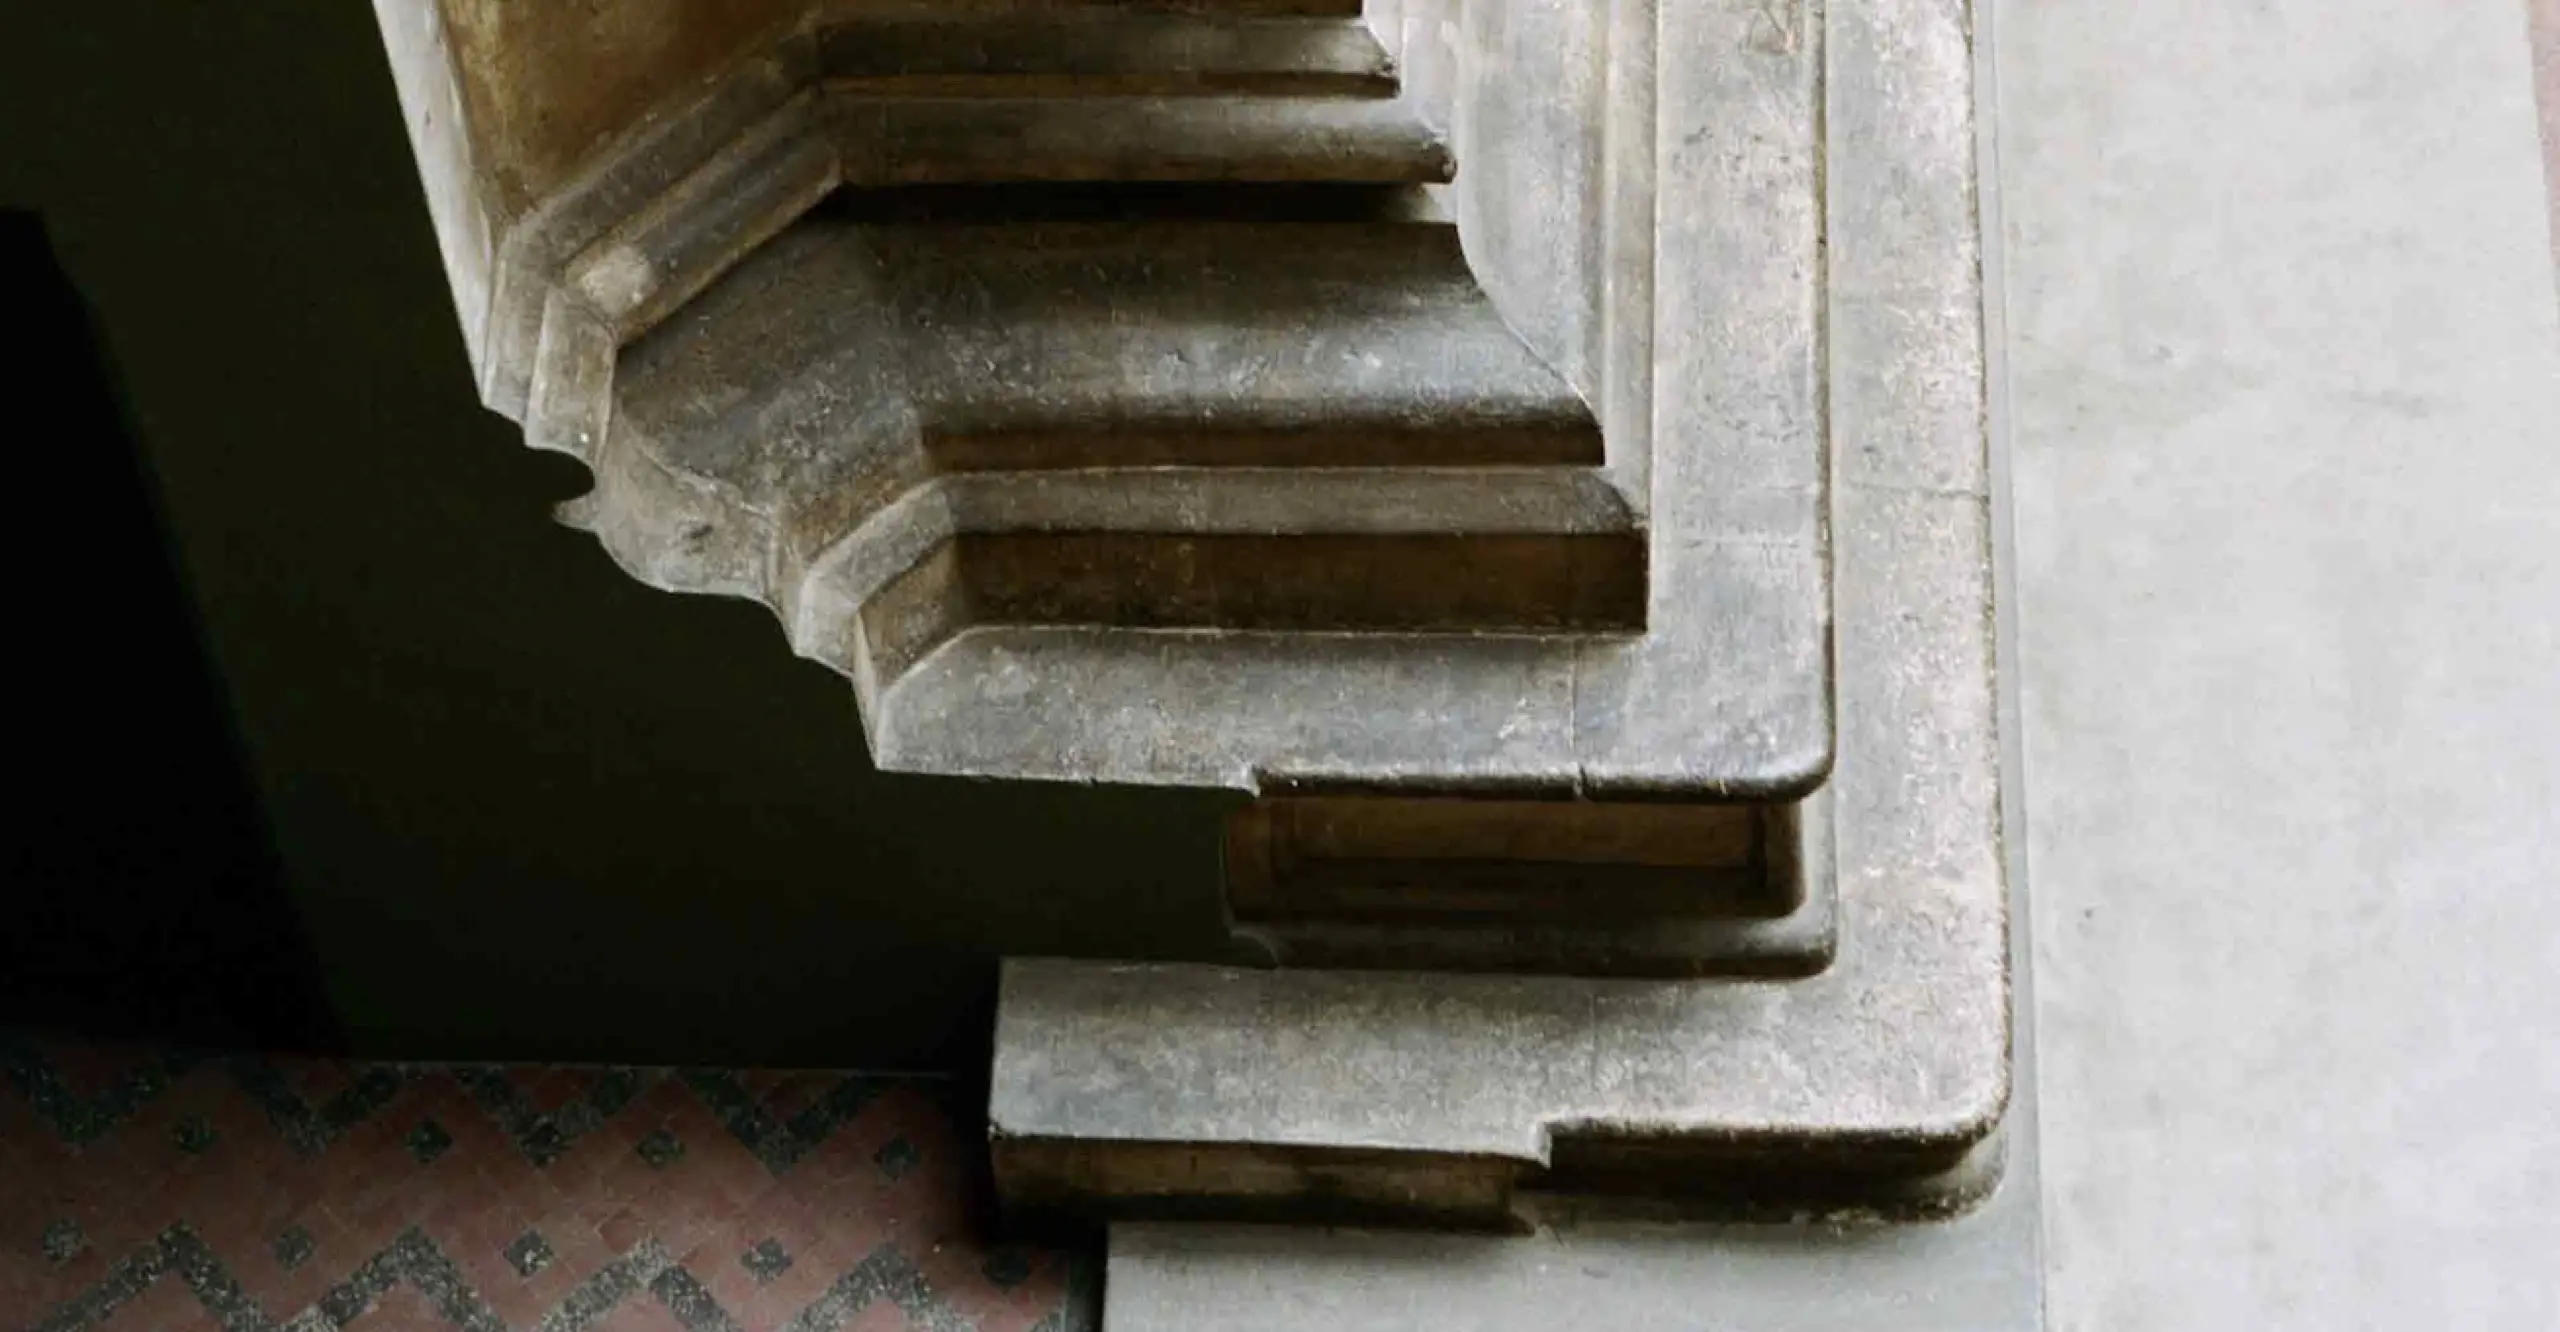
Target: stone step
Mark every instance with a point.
(1095, 93)
(1054, 346)
(1153, 423)
(1242, 138)
(1046, 346)
(1112, 55)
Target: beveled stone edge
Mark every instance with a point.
(1799, 940)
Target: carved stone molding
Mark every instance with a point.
(1451, 421)
(1020, 343)
(1874, 1086)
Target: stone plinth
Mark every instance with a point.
(1536, 446)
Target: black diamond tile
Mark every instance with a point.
(454, 1287)
(544, 1142)
(613, 1089)
(428, 1141)
(544, 1137)
(766, 1260)
(294, 1247)
(660, 1149)
(373, 1088)
(780, 1144)
(63, 1242)
(1007, 1268)
(74, 1117)
(529, 1254)
(897, 1157)
(193, 1135)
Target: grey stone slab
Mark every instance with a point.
(2286, 390)
(1068, 705)
(1592, 1270)
(1975, 1275)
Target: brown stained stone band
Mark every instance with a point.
(1418, 583)
(1407, 583)
(1568, 438)
(1383, 860)
(1155, 55)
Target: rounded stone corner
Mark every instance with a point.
(1970, 1116)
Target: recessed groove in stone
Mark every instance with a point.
(1057, 1179)
(1001, 203)
(1297, 860)
(1168, 55)
(1017, 10)
(1769, 1176)
(1419, 583)
(740, 197)
(1324, 501)
(643, 168)
(1423, 584)
(1758, 1177)
(1380, 880)
(1262, 138)
(1139, 444)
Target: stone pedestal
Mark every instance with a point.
(1536, 446)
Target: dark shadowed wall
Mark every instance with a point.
(334, 737)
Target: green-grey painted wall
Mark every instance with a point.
(518, 804)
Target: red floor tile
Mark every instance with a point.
(506, 1192)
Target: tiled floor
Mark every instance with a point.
(142, 1191)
